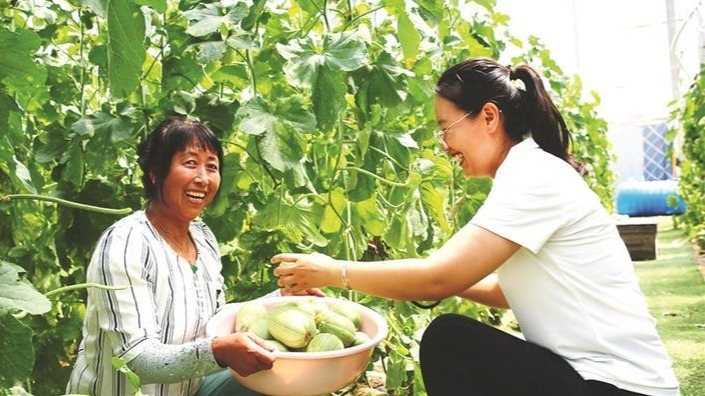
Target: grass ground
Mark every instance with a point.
(675, 292)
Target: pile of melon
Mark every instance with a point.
(303, 326)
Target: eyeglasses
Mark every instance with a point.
(443, 133)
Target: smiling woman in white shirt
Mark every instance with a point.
(169, 265)
(541, 244)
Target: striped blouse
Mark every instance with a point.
(157, 322)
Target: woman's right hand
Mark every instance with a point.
(243, 352)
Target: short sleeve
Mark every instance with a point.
(524, 208)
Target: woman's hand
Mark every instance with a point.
(316, 292)
(298, 273)
(243, 352)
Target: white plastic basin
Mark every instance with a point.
(306, 373)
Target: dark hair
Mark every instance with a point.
(168, 138)
(520, 95)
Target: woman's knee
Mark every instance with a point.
(448, 327)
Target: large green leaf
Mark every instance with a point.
(318, 65)
(280, 150)
(126, 51)
(305, 57)
(18, 70)
(16, 293)
(302, 218)
(259, 116)
(116, 128)
(384, 82)
(369, 216)
(16, 350)
(209, 18)
(409, 37)
(328, 96)
(279, 126)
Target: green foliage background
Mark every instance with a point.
(325, 109)
(688, 119)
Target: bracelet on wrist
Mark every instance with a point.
(344, 275)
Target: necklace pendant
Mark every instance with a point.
(194, 268)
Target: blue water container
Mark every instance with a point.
(649, 198)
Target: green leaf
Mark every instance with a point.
(409, 37)
(7, 105)
(317, 66)
(433, 199)
(279, 150)
(431, 10)
(387, 81)
(208, 18)
(335, 206)
(157, 5)
(255, 12)
(73, 158)
(117, 128)
(100, 7)
(120, 365)
(306, 56)
(370, 217)
(347, 51)
(210, 51)
(328, 96)
(16, 350)
(301, 218)
(18, 70)
(126, 52)
(23, 176)
(258, 116)
(16, 293)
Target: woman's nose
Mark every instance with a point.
(201, 176)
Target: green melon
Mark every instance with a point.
(304, 306)
(334, 323)
(349, 311)
(360, 338)
(249, 313)
(261, 329)
(290, 326)
(324, 342)
(278, 346)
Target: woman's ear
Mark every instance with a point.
(491, 115)
(152, 177)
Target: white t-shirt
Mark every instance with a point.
(572, 285)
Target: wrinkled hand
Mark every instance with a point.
(300, 272)
(243, 352)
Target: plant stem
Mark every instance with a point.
(64, 202)
(380, 178)
(82, 286)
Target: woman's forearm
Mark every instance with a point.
(408, 279)
(487, 292)
(165, 364)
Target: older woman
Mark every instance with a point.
(541, 244)
(170, 266)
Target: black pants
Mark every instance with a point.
(461, 356)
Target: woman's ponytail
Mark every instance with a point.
(544, 121)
